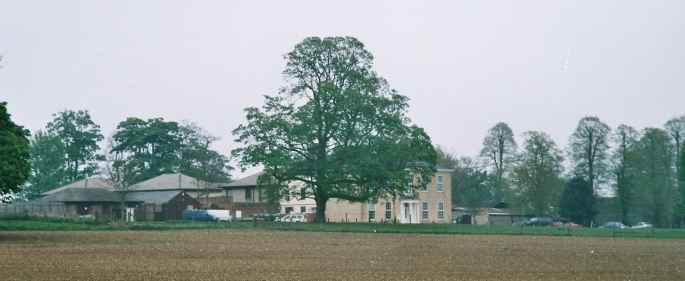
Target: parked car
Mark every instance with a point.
(220, 215)
(613, 225)
(207, 215)
(641, 225)
(538, 221)
(266, 217)
(293, 218)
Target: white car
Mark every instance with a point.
(641, 225)
(220, 215)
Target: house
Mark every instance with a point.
(206, 193)
(296, 200)
(247, 197)
(429, 203)
(162, 205)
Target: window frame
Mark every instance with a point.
(440, 183)
(371, 210)
(388, 210)
(425, 210)
(441, 210)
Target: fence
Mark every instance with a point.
(38, 210)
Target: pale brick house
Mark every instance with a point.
(429, 203)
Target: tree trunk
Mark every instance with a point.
(321, 208)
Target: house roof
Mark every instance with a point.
(90, 183)
(176, 181)
(250, 180)
(83, 195)
(156, 197)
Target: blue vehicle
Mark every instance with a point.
(197, 215)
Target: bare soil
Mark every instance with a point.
(277, 255)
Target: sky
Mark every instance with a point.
(465, 65)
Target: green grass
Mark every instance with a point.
(63, 225)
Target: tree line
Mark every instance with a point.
(645, 170)
(68, 149)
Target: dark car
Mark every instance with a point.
(265, 216)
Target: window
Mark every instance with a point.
(303, 194)
(372, 211)
(424, 210)
(441, 210)
(410, 183)
(248, 194)
(288, 210)
(303, 209)
(423, 186)
(388, 210)
(441, 183)
(287, 195)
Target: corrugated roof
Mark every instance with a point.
(156, 197)
(94, 182)
(176, 181)
(83, 195)
(246, 181)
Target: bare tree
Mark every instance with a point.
(117, 174)
(499, 147)
(589, 149)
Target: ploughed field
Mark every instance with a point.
(289, 255)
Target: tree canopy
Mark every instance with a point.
(48, 159)
(80, 136)
(336, 126)
(15, 166)
(577, 202)
(143, 149)
(537, 173)
(499, 148)
(589, 149)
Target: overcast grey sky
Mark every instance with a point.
(537, 65)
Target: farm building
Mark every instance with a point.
(247, 197)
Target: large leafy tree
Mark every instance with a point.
(537, 173)
(336, 126)
(15, 165)
(143, 149)
(48, 159)
(80, 136)
(589, 149)
(499, 148)
(656, 178)
(198, 160)
(578, 201)
(624, 168)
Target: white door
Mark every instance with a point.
(130, 214)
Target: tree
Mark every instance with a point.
(676, 128)
(48, 159)
(470, 186)
(589, 149)
(197, 158)
(537, 173)
(80, 136)
(624, 168)
(336, 126)
(499, 147)
(656, 181)
(144, 149)
(578, 202)
(15, 165)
